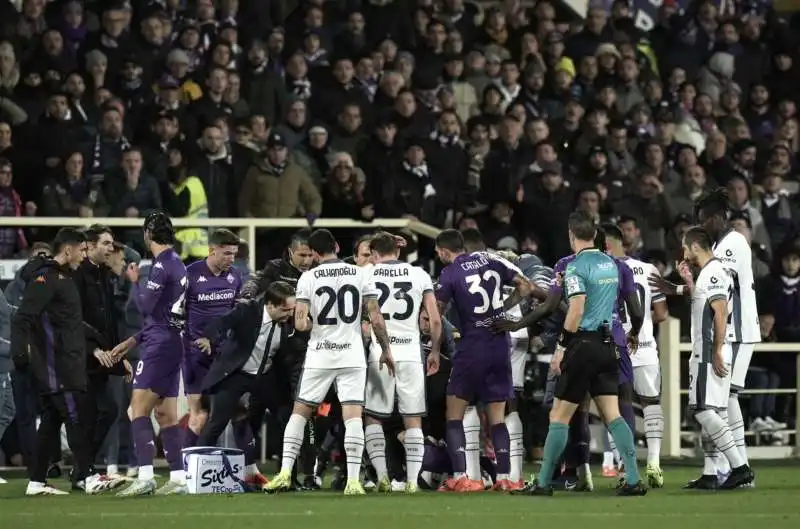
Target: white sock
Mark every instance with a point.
(472, 435)
(517, 449)
(415, 451)
(723, 465)
(178, 476)
(292, 441)
(654, 432)
(720, 434)
(608, 459)
(376, 449)
(145, 472)
(251, 470)
(354, 447)
(112, 469)
(613, 446)
(736, 424)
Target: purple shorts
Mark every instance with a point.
(482, 374)
(195, 368)
(159, 367)
(625, 366)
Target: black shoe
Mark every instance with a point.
(637, 489)
(54, 471)
(704, 482)
(339, 481)
(310, 483)
(738, 477)
(532, 488)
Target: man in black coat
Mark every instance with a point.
(258, 357)
(95, 282)
(47, 337)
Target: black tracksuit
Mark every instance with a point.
(96, 288)
(47, 337)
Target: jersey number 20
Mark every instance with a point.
(490, 297)
(338, 298)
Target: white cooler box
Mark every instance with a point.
(213, 470)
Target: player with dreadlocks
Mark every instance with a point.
(732, 250)
(156, 378)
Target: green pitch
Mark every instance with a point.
(774, 504)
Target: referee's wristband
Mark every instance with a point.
(566, 338)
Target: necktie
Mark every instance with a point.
(266, 359)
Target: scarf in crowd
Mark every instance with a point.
(421, 172)
(97, 151)
(445, 140)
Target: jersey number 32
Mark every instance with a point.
(489, 293)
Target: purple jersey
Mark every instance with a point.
(474, 283)
(161, 300)
(208, 296)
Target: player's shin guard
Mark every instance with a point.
(736, 424)
(471, 432)
(243, 435)
(144, 442)
(502, 450)
(723, 465)
(719, 433)
(517, 447)
(354, 446)
(654, 432)
(415, 452)
(623, 438)
(554, 445)
(376, 448)
(292, 441)
(456, 448)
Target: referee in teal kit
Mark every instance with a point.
(586, 358)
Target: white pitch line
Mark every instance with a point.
(447, 512)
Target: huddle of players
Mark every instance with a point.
(329, 303)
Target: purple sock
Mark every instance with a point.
(144, 441)
(436, 460)
(502, 448)
(245, 441)
(171, 439)
(132, 459)
(189, 438)
(456, 446)
(626, 410)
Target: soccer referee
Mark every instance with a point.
(586, 358)
(47, 337)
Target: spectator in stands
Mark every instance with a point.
(132, 194)
(73, 193)
(12, 240)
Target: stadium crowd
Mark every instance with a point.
(496, 116)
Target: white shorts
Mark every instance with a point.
(408, 384)
(742, 354)
(348, 381)
(706, 389)
(518, 358)
(647, 381)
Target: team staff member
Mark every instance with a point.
(95, 282)
(295, 261)
(47, 337)
(586, 358)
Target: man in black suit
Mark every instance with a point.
(257, 357)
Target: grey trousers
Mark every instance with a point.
(7, 408)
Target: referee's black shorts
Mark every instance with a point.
(589, 366)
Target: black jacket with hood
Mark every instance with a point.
(47, 330)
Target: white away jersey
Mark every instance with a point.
(736, 257)
(647, 353)
(712, 283)
(334, 292)
(401, 288)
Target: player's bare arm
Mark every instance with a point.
(522, 289)
(636, 318)
(123, 347)
(550, 305)
(431, 307)
(301, 320)
(720, 307)
(381, 334)
(660, 311)
(667, 288)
